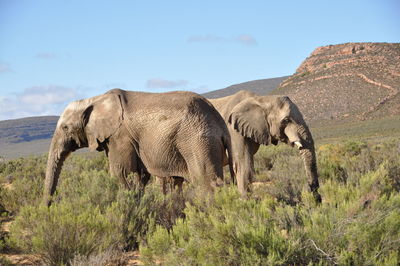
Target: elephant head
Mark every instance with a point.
(270, 119)
(85, 123)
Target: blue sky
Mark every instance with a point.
(53, 52)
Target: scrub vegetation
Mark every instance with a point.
(93, 221)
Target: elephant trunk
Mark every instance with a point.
(57, 154)
(307, 153)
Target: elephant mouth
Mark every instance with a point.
(297, 144)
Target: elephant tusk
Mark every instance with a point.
(298, 144)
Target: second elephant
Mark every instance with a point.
(253, 120)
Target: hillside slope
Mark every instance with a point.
(27, 129)
(347, 82)
(26, 136)
(261, 87)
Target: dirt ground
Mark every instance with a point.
(129, 258)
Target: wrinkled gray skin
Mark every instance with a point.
(253, 120)
(164, 134)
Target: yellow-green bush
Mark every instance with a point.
(22, 182)
(62, 231)
(357, 223)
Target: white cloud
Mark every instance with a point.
(42, 95)
(244, 39)
(158, 83)
(37, 101)
(46, 56)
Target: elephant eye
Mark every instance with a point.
(285, 121)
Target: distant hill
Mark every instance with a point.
(347, 82)
(261, 87)
(26, 136)
(27, 129)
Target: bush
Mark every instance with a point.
(24, 178)
(135, 213)
(22, 181)
(92, 220)
(108, 257)
(62, 231)
(93, 187)
(267, 157)
(5, 262)
(358, 222)
(90, 215)
(286, 174)
(222, 231)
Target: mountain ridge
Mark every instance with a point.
(351, 81)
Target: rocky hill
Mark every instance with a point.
(27, 129)
(261, 87)
(352, 81)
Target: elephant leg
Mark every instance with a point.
(243, 150)
(144, 175)
(123, 161)
(207, 171)
(121, 167)
(178, 182)
(164, 183)
(244, 174)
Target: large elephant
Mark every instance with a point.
(164, 134)
(253, 120)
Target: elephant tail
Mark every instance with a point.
(227, 144)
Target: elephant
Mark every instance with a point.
(253, 120)
(163, 134)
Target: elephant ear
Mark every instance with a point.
(103, 117)
(249, 119)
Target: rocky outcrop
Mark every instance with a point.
(352, 81)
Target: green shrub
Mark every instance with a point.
(5, 262)
(94, 187)
(224, 230)
(24, 177)
(108, 257)
(266, 158)
(60, 232)
(357, 223)
(135, 213)
(286, 176)
(22, 182)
